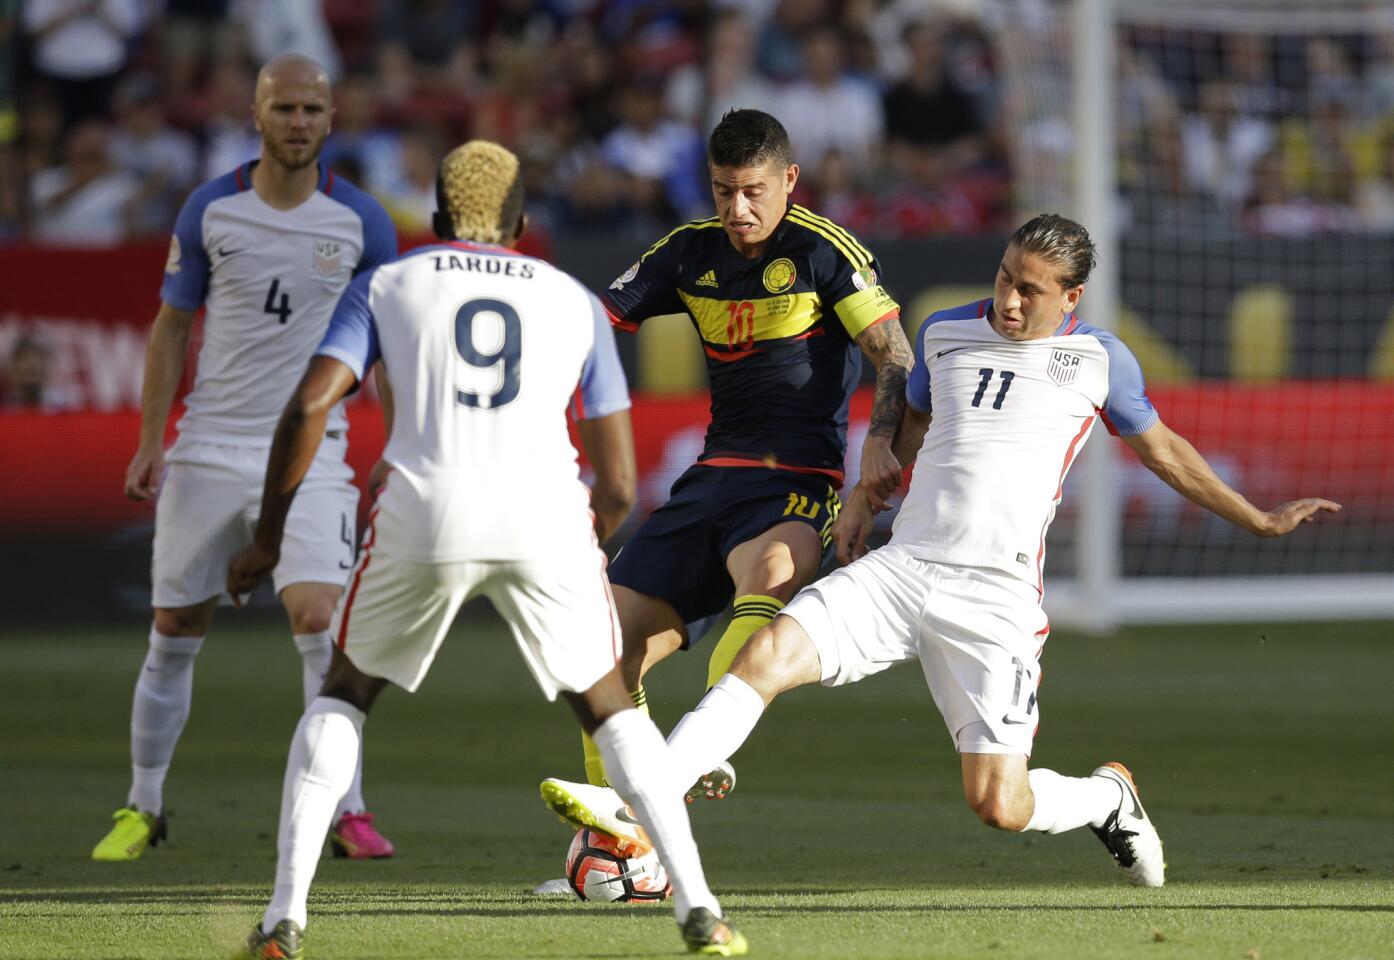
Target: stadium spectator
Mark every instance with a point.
(274, 27)
(662, 158)
(931, 122)
(374, 146)
(1222, 145)
(26, 380)
(780, 43)
(80, 46)
(1274, 209)
(700, 94)
(429, 37)
(1249, 66)
(1319, 150)
(411, 198)
(229, 137)
(829, 110)
(194, 34)
(162, 158)
(86, 202)
(1375, 193)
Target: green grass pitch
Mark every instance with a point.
(1265, 755)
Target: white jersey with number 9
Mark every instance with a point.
(484, 348)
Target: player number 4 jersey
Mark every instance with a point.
(1009, 418)
(484, 348)
(269, 279)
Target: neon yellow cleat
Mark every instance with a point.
(586, 806)
(134, 831)
(709, 935)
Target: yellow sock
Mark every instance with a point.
(751, 612)
(595, 767)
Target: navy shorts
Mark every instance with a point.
(679, 554)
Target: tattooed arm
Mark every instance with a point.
(884, 344)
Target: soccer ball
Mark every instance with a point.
(596, 871)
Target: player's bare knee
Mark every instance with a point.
(999, 811)
(347, 683)
(313, 620)
(184, 621)
(777, 658)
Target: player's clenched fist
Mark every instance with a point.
(143, 475)
(247, 568)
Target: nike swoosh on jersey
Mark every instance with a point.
(227, 253)
(1007, 719)
(945, 353)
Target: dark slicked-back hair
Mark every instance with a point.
(1060, 242)
(749, 138)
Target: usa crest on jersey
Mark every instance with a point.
(328, 257)
(1063, 367)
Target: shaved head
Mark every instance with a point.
(293, 110)
(290, 68)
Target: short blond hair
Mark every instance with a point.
(481, 189)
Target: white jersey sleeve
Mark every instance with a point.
(269, 280)
(485, 349)
(1010, 416)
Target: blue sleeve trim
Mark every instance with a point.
(379, 235)
(186, 277)
(603, 389)
(917, 384)
(352, 336)
(1127, 409)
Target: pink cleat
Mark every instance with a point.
(355, 837)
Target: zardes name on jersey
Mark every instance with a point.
(778, 332)
(1009, 418)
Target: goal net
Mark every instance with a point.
(1235, 162)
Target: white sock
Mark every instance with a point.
(714, 730)
(322, 756)
(1067, 803)
(164, 692)
(316, 651)
(637, 764)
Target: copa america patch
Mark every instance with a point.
(328, 257)
(172, 262)
(1063, 367)
(625, 277)
(863, 278)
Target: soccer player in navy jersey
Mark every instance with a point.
(786, 303)
(266, 249)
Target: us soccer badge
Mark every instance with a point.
(779, 276)
(1063, 367)
(328, 257)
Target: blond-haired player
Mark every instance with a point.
(485, 348)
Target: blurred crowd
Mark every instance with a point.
(111, 111)
(1275, 134)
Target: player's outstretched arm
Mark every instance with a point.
(1171, 457)
(609, 445)
(884, 344)
(298, 436)
(164, 368)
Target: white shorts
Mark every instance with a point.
(208, 506)
(395, 613)
(977, 633)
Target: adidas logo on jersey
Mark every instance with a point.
(707, 279)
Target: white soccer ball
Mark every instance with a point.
(596, 871)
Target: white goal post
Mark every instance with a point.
(1169, 251)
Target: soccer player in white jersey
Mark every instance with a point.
(267, 249)
(486, 347)
(1013, 386)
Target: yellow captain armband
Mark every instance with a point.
(865, 307)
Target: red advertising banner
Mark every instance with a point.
(64, 472)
